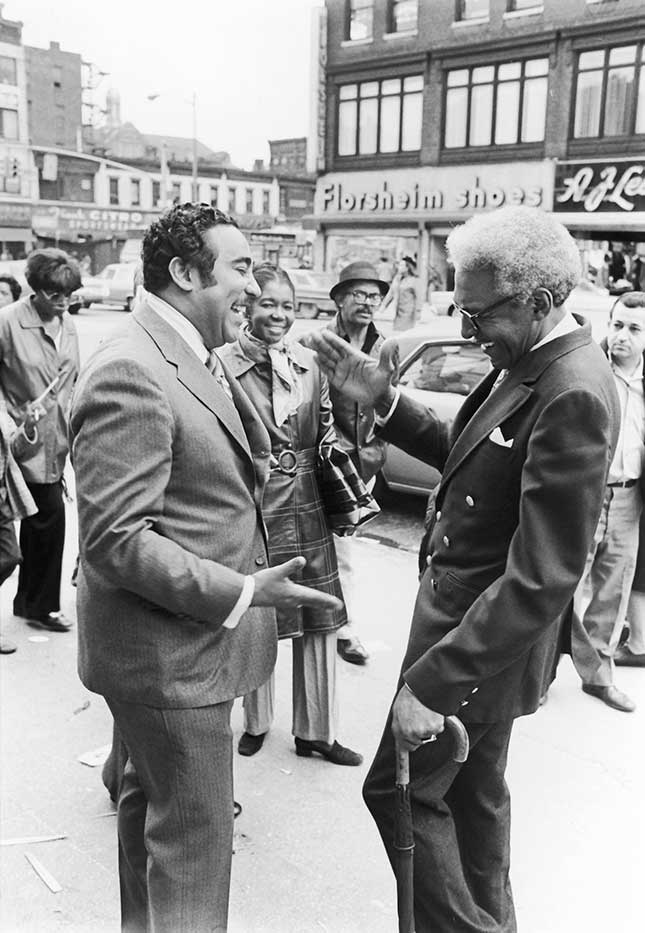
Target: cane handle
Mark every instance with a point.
(460, 738)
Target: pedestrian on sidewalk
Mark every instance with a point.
(357, 294)
(16, 502)
(284, 383)
(39, 357)
(603, 592)
(175, 600)
(524, 473)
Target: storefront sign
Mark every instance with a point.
(66, 220)
(600, 186)
(435, 191)
(15, 215)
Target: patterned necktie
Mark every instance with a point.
(214, 366)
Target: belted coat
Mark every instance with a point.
(524, 472)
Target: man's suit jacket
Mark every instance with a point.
(169, 479)
(512, 527)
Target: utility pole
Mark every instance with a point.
(195, 187)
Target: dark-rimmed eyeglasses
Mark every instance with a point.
(365, 298)
(473, 317)
(56, 297)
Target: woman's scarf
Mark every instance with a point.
(286, 388)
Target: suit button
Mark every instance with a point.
(470, 501)
(438, 516)
(464, 703)
(434, 584)
(446, 540)
(474, 690)
(260, 561)
(428, 560)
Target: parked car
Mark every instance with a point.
(114, 285)
(312, 292)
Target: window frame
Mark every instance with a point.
(113, 190)
(135, 192)
(379, 97)
(10, 58)
(470, 66)
(534, 5)
(348, 21)
(639, 73)
(391, 19)
(460, 9)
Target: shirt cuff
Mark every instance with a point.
(382, 420)
(243, 603)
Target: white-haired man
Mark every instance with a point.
(524, 473)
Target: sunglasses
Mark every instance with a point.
(56, 297)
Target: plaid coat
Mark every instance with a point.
(292, 507)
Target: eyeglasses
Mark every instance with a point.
(473, 317)
(56, 297)
(366, 299)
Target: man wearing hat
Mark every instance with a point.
(358, 293)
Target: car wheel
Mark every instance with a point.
(307, 310)
(74, 309)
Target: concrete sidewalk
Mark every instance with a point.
(307, 857)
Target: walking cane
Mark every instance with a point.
(403, 828)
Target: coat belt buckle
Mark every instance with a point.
(287, 462)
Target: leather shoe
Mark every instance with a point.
(7, 647)
(54, 622)
(250, 744)
(625, 657)
(351, 650)
(612, 696)
(337, 754)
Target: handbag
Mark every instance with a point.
(346, 499)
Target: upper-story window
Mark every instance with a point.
(156, 193)
(360, 19)
(472, 9)
(403, 15)
(515, 5)
(8, 70)
(610, 92)
(114, 190)
(380, 116)
(249, 200)
(135, 192)
(496, 104)
(266, 201)
(231, 200)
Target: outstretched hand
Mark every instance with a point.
(273, 587)
(354, 373)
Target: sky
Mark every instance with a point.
(247, 61)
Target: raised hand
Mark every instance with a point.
(354, 373)
(274, 588)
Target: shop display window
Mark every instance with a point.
(610, 92)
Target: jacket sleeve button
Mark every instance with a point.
(438, 516)
(434, 584)
(470, 502)
(260, 561)
(474, 690)
(446, 540)
(428, 560)
(464, 703)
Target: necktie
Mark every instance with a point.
(214, 366)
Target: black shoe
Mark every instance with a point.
(250, 744)
(7, 647)
(337, 754)
(54, 622)
(625, 657)
(351, 650)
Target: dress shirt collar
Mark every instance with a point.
(180, 324)
(566, 326)
(636, 374)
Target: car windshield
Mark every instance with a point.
(447, 368)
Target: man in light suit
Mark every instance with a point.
(524, 472)
(174, 592)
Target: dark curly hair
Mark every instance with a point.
(180, 232)
(14, 285)
(52, 270)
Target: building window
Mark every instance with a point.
(496, 104)
(213, 195)
(610, 92)
(57, 75)
(249, 201)
(114, 190)
(8, 70)
(156, 193)
(231, 200)
(135, 192)
(175, 192)
(266, 202)
(472, 9)
(403, 15)
(380, 116)
(360, 18)
(516, 5)
(9, 124)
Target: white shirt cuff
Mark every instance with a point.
(243, 603)
(382, 420)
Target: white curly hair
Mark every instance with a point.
(524, 247)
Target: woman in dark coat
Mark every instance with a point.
(291, 395)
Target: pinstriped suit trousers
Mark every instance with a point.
(175, 818)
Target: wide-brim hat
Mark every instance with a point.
(358, 272)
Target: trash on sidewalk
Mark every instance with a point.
(95, 759)
(43, 873)
(27, 840)
(81, 708)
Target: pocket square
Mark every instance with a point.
(498, 438)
